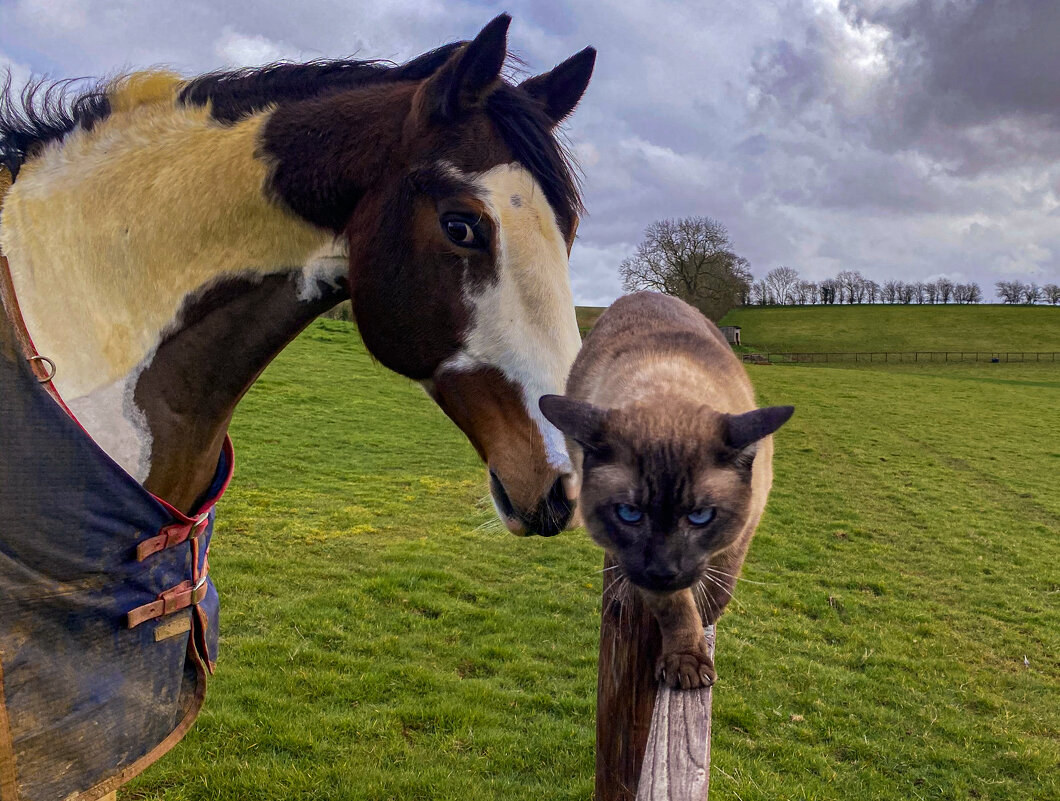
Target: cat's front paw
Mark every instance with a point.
(687, 669)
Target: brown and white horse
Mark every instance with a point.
(167, 237)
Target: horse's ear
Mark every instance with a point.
(464, 80)
(560, 89)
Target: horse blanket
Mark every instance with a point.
(108, 620)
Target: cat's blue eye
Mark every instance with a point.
(700, 517)
(628, 513)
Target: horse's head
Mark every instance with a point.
(459, 208)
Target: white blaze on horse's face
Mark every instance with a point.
(523, 323)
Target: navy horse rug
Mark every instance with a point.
(108, 619)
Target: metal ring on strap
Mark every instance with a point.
(48, 363)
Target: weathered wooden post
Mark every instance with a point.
(652, 743)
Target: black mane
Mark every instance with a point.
(43, 112)
(235, 94)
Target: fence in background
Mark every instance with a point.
(902, 357)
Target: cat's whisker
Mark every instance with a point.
(723, 587)
(723, 574)
(711, 609)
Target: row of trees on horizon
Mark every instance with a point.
(783, 287)
(692, 258)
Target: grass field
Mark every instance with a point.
(898, 635)
(898, 328)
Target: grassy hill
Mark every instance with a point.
(898, 328)
(897, 637)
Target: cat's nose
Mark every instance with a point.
(660, 575)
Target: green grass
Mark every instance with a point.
(898, 328)
(378, 642)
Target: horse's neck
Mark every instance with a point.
(152, 270)
(197, 376)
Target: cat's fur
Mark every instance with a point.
(660, 416)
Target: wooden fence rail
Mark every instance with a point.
(652, 743)
(901, 357)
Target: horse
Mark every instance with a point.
(164, 238)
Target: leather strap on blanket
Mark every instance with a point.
(7, 297)
(173, 535)
(180, 597)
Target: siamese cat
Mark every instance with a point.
(674, 464)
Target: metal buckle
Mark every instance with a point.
(48, 363)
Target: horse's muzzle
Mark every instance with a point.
(548, 519)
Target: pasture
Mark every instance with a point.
(897, 637)
(878, 327)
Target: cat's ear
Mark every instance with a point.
(744, 430)
(580, 421)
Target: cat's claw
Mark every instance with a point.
(686, 671)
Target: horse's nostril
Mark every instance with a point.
(504, 503)
(555, 511)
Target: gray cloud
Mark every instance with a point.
(902, 138)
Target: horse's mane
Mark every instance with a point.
(44, 112)
(235, 94)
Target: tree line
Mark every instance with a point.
(692, 258)
(1019, 292)
(782, 286)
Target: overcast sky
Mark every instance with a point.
(908, 139)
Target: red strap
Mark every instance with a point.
(230, 459)
(172, 535)
(173, 600)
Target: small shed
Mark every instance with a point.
(732, 334)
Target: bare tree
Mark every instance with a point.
(805, 292)
(1052, 293)
(931, 291)
(852, 284)
(782, 281)
(908, 290)
(967, 293)
(891, 291)
(872, 291)
(830, 291)
(760, 293)
(945, 289)
(1032, 293)
(1010, 291)
(690, 258)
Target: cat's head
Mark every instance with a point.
(664, 486)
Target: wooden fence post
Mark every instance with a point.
(652, 744)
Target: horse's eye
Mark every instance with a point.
(628, 513)
(459, 232)
(700, 517)
(463, 232)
